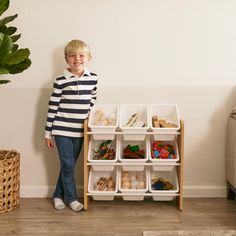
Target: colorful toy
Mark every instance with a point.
(161, 184)
(104, 152)
(163, 151)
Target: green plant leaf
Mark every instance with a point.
(3, 71)
(20, 67)
(12, 59)
(4, 81)
(15, 47)
(7, 19)
(3, 28)
(14, 38)
(4, 4)
(5, 46)
(10, 30)
(18, 56)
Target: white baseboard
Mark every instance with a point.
(45, 191)
(41, 191)
(204, 191)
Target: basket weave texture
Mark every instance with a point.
(9, 180)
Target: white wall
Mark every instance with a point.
(158, 51)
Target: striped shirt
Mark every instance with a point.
(70, 103)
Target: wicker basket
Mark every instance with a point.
(9, 180)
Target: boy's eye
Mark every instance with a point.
(77, 55)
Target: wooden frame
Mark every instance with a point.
(180, 167)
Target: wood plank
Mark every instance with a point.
(181, 167)
(117, 218)
(86, 167)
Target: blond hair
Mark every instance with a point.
(77, 45)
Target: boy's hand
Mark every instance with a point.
(50, 143)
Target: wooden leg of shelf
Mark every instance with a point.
(86, 169)
(181, 166)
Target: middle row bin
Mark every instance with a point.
(103, 151)
(133, 154)
(133, 184)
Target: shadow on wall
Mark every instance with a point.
(50, 157)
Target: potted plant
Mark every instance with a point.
(13, 59)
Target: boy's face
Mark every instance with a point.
(77, 61)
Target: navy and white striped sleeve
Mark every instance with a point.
(53, 105)
(94, 95)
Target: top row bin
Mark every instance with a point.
(169, 114)
(134, 120)
(104, 119)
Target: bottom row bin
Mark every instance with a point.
(164, 184)
(103, 184)
(133, 184)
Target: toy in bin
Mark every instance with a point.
(135, 121)
(161, 123)
(161, 150)
(104, 152)
(105, 184)
(132, 180)
(104, 118)
(161, 184)
(133, 152)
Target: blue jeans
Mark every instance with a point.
(68, 149)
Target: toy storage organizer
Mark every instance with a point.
(171, 169)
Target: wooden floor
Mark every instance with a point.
(117, 218)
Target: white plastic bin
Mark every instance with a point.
(164, 195)
(126, 112)
(94, 145)
(169, 113)
(102, 195)
(109, 111)
(164, 164)
(133, 164)
(133, 194)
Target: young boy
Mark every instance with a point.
(73, 95)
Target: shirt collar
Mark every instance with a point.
(69, 75)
